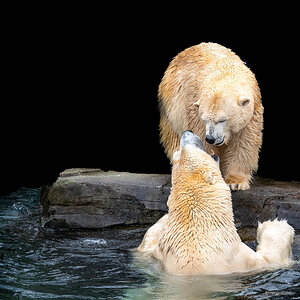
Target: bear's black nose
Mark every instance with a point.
(210, 139)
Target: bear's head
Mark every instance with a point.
(193, 166)
(224, 110)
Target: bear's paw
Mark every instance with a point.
(237, 182)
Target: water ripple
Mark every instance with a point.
(36, 263)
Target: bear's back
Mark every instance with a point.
(204, 54)
(200, 66)
(213, 51)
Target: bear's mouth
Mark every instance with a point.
(214, 155)
(220, 143)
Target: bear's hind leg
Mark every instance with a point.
(275, 240)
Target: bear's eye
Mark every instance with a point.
(222, 120)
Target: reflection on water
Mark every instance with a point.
(37, 263)
(280, 284)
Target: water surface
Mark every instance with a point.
(38, 263)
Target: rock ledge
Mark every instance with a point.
(92, 199)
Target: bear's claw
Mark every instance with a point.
(237, 183)
(239, 186)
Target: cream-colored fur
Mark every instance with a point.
(208, 89)
(198, 235)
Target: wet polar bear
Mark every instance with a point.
(198, 236)
(208, 89)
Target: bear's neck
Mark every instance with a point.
(209, 213)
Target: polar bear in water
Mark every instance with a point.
(198, 235)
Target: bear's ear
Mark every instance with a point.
(243, 101)
(209, 178)
(176, 156)
(169, 201)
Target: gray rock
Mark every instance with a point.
(91, 198)
(267, 199)
(83, 199)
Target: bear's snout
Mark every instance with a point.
(211, 140)
(215, 133)
(188, 137)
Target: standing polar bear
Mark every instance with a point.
(198, 235)
(209, 90)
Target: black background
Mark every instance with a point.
(80, 87)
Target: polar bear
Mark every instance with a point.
(198, 235)
(209, 90)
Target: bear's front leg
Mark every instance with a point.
(240, 159)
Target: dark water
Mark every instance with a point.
(38, 263)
